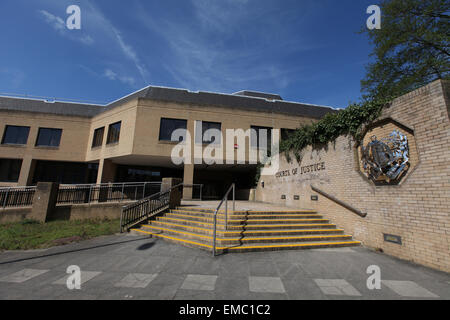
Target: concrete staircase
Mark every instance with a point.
(247, 230)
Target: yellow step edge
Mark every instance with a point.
(251, 211)
(241, 220)
(180, 212)
(251, 247)
(254, 225)
(250, 238)
(255, 231)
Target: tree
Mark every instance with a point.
(411, 48)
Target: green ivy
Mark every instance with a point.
(349, 121)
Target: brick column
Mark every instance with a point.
(26, 171)
(106, 171)
(175, 195)
(44, 201)
(188, 179)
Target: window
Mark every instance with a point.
(10, 170)
(61, 172)
(48, 137)
(114, 133)
(258, 132)
(168, 126)
(97, 141)
(15, 135)
(286, 133)
(202, 137)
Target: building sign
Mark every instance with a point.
(301, 170)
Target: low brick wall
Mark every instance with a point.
(67, 212)
(417, 210)
(11, 215)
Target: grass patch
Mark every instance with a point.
(30, 234)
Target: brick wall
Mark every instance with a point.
(418, 209)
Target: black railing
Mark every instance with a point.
(145, 209)
(112, 192)
(197, 191)
(16, 197)
(224, 199)
(340, 202)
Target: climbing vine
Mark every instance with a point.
(349, 121)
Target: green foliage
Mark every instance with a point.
(29, 234)
(411, 48)
(345, 122)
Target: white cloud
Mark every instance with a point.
(111, 75)
(103, 25)
(227, 46)
(56, 22)
(59, 25)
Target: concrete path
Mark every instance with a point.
(136, 267)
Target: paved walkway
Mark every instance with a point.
(136, 267)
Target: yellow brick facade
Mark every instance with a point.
(418, 209)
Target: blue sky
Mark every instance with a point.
(305, 50)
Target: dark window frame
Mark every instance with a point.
(114, 136)
(166, 139)
(49, 145)
(10, 178)
(97, 141)
(204, 129)
(257, 129)
(15, 143)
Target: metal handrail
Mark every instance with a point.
(16, 196)
(105, 192)
(341, 203)
(224, 199)
(144, 208)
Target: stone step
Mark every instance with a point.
(222, 241)
(254, 247)
(196, 209)
(221, 226)
(175, 217)
(269, 232)
(248, 216)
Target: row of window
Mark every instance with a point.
(169, 126)
(113, 135)
(18, 135)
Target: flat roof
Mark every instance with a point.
(244, 100)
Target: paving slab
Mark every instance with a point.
(125, 267)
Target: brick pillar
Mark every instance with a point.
(188, 179)
(26, 171)
(175, 195)
(44, 201)
(106, 171)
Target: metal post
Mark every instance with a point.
(90, 194)
(234, 204)
(201, 191)
(123, 190)
(214, 235)
(226, 213)
(143, 192)
(121, 219)
(6, 197)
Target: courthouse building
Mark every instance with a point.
(129, 140)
